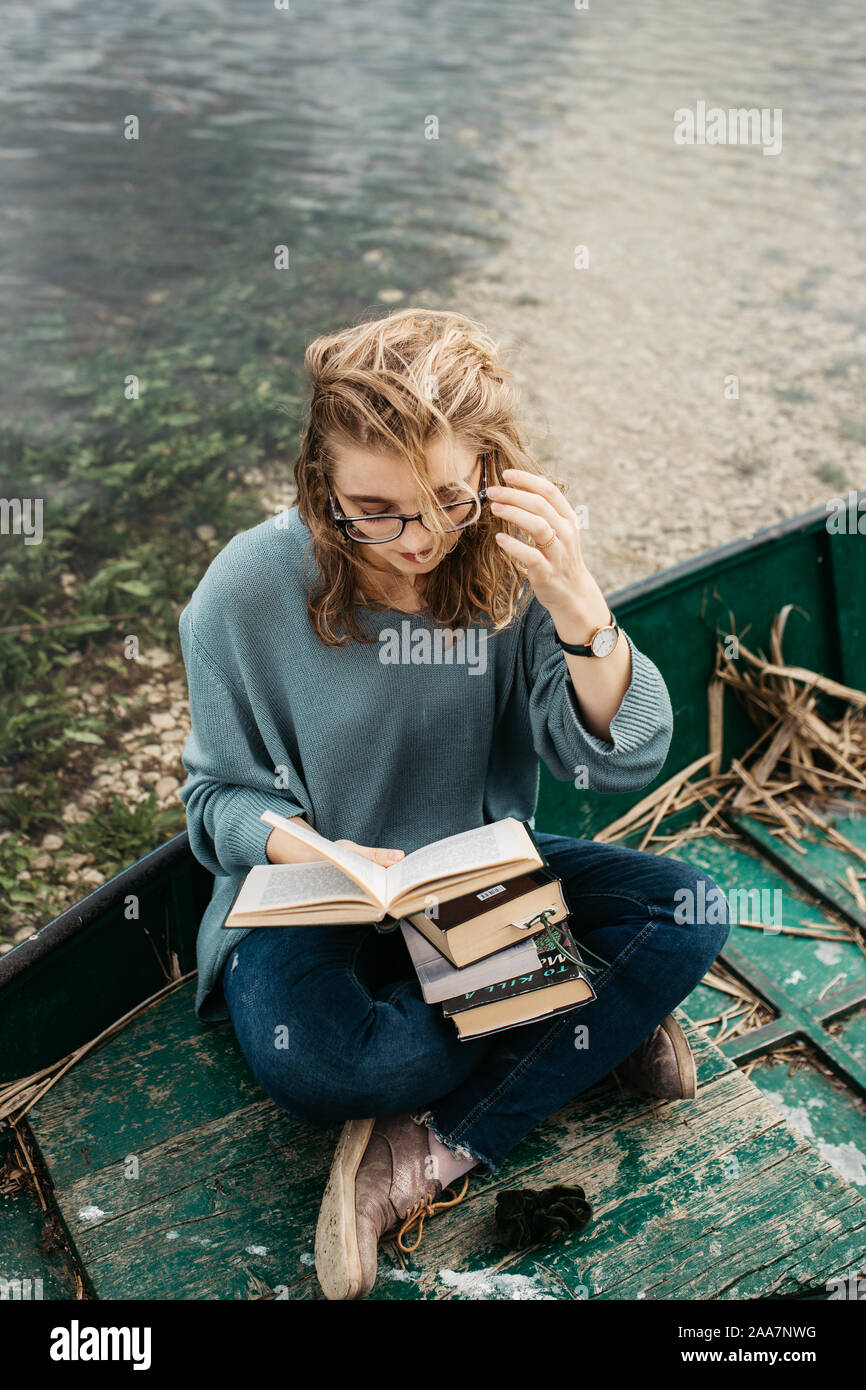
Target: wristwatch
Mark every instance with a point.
(601, 643)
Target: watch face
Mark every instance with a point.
(604, 641)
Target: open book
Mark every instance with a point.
(344, 887)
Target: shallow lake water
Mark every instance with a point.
(306, 128)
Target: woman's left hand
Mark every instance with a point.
(556, 571)
(564, 586)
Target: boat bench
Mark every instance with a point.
(178, 1178)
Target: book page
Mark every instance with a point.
(494, 844)
(371, 877)
(273, 886)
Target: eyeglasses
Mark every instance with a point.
(373, 530)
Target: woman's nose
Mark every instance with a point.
(415, 536)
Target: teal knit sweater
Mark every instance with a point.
(393, 744)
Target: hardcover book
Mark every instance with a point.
(439, 979)
(345, 887)
(501, 914)
(557, 985)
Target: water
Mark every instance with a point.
(306, 129)
(258, 128)
(705, 263)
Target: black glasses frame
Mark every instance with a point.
(343, 521)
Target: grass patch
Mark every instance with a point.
(118, 833)
(122, 497)
(831, 475)
(853, 429)
(793, 395)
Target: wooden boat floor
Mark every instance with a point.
(177, 1178)
(809, 1058)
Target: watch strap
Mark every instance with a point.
(578, 649)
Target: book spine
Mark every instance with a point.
(474, 907)
(515, 1023)
(554, 970)
(387, 924)
(557, 937)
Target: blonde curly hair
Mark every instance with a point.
(391, 384)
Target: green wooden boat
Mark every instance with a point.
(166, 1173)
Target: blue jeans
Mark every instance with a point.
(333, 1025)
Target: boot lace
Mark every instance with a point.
(418, 1213)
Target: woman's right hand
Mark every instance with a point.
(285, 849)
(385, 857)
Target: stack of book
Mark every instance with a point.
(484, 990)
(483, 917)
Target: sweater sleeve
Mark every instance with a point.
(641, 729)
(230, 781)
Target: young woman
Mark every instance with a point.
(418, 505)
